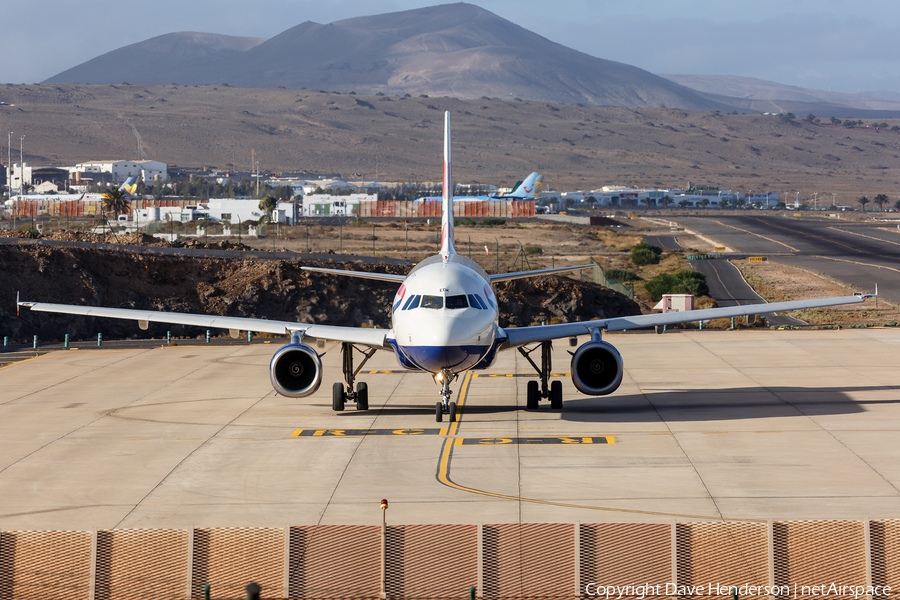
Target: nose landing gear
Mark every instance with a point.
(445, 407)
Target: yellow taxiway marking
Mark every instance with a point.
(759, 236)
(499, 441)
(365, 432)
(856, 262)
(445, 459)
(871, 237)
(480, 375)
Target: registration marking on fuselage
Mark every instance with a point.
(499, 441)
(364, 432)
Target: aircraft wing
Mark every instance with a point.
(362, 274)
(524, 274)
(355, 335)
(517, 336)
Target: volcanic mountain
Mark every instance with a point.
(457, 50)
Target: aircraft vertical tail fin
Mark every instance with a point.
(130, 185)
(529, 188)
(447, 203)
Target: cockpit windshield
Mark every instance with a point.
(432, 302)
(456, 302)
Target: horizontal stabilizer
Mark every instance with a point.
(362, 274)
(524, 274)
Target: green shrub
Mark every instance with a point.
(645, 254)
(621, 275)
(684, 282)
(533, 250)
(493, 221)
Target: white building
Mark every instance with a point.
(225, 210)
(324, 205)
(17, 175)
(148, 170)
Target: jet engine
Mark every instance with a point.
(295, 371)
(597, 368)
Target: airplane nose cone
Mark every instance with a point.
(445, 345)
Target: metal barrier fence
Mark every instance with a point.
(829, 560)
(598, 275)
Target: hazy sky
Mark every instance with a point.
(824, 44)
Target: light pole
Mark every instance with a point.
(21, 165)
(9, 163)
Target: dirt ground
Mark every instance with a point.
(496, 141)
(269, 289)
(778, 282)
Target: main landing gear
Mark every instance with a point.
(340, 395)
(553, 391)
(445, 407)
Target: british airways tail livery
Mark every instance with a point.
(444, 322)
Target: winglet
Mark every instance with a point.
(447, 202)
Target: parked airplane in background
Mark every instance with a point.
(130, 185)
(527, 189)
(444, 322)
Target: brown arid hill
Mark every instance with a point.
(458, 50)
(494, 141)
(269, 289)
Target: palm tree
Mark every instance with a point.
(880, 200)
(268, 205)
(863, 200)
(666, 201)
(115, 201)
(704, 202)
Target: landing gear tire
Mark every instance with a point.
(556, 401)
(439, 412)
(453, 412)
(532, 395)
(362, 396)
(338, 396)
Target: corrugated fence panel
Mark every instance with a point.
(529, 560)
(715, 556)
(885, 540)
(229, 558)
(626, 554)
(141, 563)
(45, 564)
(431, 561)
(335, 561)
(815, 553)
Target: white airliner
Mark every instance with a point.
(444, 319)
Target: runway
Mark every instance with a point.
(858, 253)
(707, 425)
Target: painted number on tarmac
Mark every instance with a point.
(500, 441)
(359, 432)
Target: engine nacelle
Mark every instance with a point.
(295, 371)
(597, 368)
